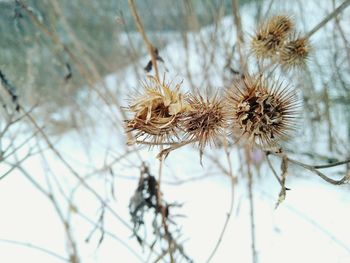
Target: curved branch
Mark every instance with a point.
(35, 247)
(314, 169)
(332, 15)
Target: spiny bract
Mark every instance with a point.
(295, 53)
(263, 113)
(271, 35)
(156, 111)
(205, 121)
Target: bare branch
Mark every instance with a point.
(139, 25)
(328, 18)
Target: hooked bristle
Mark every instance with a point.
(262, 113)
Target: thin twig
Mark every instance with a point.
(164, 153)
(155, 143)
(313, 169)
(232, 179)
(239, 34)
(331, 164)
(251, 206)
(273, 169)
(140, 28)
(14, 166)
(343, 180)
(113, 236)
(269, 8)
(163, 210)
(32, 246)
(332, 15)
(313, 223)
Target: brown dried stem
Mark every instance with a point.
(232, 179)
(314, 169)
(332, 15)
(38, 248)
(165, 152)
(239, 33)
(152, 52)
(251, 206)
(273, 169)
(140, 28)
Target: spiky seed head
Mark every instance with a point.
(262, 113)
(205, 121)
(281, 25)
(295, 53)
(156, 110)
(271, 35)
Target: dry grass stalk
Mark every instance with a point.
(263, 113)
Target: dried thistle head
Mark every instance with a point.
(205, 121)
(295, 53)
(271, 35)
(262, 113)
(156, 111)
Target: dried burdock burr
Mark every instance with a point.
(156, 110)
(205, 122)
(262, 112)
(271, 36)
(295, 53)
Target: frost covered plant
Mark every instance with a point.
(156, 110)
(205, 121)
(295, 53)
(271, 36)
(263, 112)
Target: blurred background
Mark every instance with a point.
(69, 180)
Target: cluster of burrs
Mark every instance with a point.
(277, 40)
(254, 110)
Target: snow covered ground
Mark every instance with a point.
(311, 225)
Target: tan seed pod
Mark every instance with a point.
(156, 110)
(295, 53)
(205, 121)
(270, 36)
(262, 113)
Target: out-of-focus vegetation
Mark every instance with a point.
(95, 31)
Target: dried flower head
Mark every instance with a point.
(262, 113)
(205, 121)
(295, 53)
(271, 35)
(156, 111)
